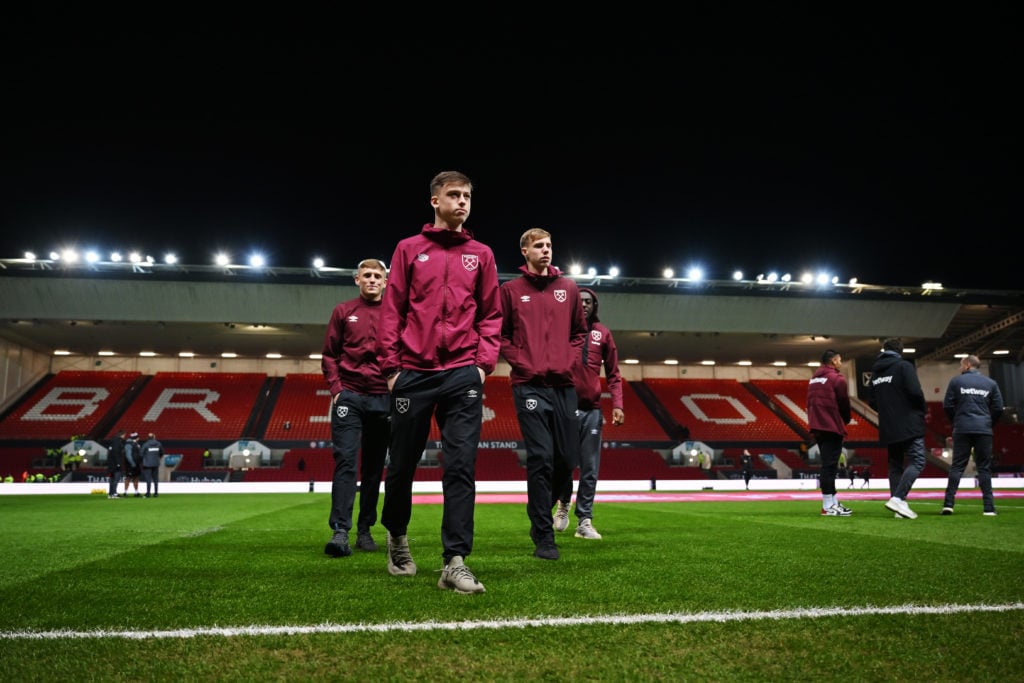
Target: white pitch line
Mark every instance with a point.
(682, 618)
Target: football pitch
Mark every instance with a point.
(697, 588)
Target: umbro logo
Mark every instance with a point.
(353, 318)
(525, 298)
(472, 393)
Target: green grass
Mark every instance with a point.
(102, 571)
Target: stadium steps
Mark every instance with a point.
(105, 427)
(668, 423)
(782, 414)
(259, 418)
(24, 394)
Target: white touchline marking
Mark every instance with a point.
(681, 618)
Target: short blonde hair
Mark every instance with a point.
(372, 264)
(531, 235)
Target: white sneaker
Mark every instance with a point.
(836, 510)
(900, 507)
(399, 558)
(457, 577)
(561, 521)
(585, 529)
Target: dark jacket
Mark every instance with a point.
(132, 457)
(898, 398)
(973, 403)
(828, 401)
(152, 453)
(441, 307)
(349, 359)
(115, 454)
(598, 350)
(542, 328)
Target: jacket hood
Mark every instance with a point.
(540, 281)
(887, 359)
(593, 311)
(824, 370)
(445, 236)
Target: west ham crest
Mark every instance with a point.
(470, 261)
(342, 411)
(531, 404)
(402, 405)
(560, 295)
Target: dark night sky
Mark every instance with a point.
(880, 146)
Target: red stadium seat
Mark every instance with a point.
(70, 403)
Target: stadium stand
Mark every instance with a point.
(194, 406)
(640, 424)
(626, 464)
(17, 460)
(719, 410)
(193, 411)
(302, 410)
(70, 403)
(1008, 447)
(937, 425)
(791, 397)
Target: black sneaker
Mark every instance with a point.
(338, 545)
(364, 541)
(547, 550)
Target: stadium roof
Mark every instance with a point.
(210, 310)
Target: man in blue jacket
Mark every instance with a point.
(899, 400)
(973, 404)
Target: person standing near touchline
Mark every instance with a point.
(599, 349)
(828, 413)
(543, 331)
(152, 456)
(132, 464)
(115, 462)
(973, 404)
(747, 465)
(437, 341)
(899, 400)
(359, 409)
